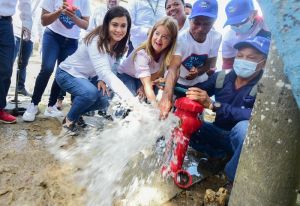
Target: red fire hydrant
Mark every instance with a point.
(188, 111)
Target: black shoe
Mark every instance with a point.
(71, 129)
(24, 92)
(89, 114)
(105, 115)
(122, 113)
(81, 123)
(212, 166)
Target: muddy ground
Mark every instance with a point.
(30, 175)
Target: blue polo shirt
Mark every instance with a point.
(236, 104)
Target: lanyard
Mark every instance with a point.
(154, 10)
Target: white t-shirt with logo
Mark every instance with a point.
(186, 25)
(64, 25)
(231, 38)
(142, 66)
(194, 54)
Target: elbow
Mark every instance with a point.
(43, 22)
(177, 73)
(85, 27)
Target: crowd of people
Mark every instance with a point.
(130, 52)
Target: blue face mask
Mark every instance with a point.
(243, 28)
(244, 68)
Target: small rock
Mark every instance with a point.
(213, 198)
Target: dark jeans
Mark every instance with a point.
(26, 53)
(133, 84)
(7, 47)
(55, 47)
(87, 97)
(213, 140)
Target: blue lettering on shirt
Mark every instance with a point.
(67, 21)
(194, 60)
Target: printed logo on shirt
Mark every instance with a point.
(194, 60)
(67, 21)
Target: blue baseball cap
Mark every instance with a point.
(237, 11)
(207, 8)
(262, 44)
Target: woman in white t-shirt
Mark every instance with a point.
(60, 39)
(148, 62)
(175, 9)
(95, 57)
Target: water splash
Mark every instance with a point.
(102, 156)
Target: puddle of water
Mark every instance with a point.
(102, 156)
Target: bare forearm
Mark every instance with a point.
(171, 79)
(150, 94)
(203, 69)
(48, 18)
(83, 23)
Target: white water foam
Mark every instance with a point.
(102, 156)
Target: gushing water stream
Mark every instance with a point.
(101, 156)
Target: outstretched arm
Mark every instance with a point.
(165, 104)
(148, 88)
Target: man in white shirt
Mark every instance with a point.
(7, 45)
(196, 52)
(244, 22)
(144, 14)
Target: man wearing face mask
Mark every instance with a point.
(235, 95)
(244, 22)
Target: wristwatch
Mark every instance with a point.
(216, 106)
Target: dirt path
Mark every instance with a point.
(29, 175)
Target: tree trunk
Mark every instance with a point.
(268, 169)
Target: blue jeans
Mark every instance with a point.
(213, 140)
(132, 83)
(7, 47)
(26, 53)
(87, 97)
(55, 47)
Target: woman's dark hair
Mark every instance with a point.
(168, 0)
(103, 32)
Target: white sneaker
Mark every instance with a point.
(31, 111)
(53, 112)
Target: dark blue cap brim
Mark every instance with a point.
(203, 14)
(248, 44)
(236, 20)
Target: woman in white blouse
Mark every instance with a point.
(94, 57)
(148, 62)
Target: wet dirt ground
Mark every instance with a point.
(30, 175)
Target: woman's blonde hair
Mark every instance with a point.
(172, 27)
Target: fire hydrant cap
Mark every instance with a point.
(187, 104)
